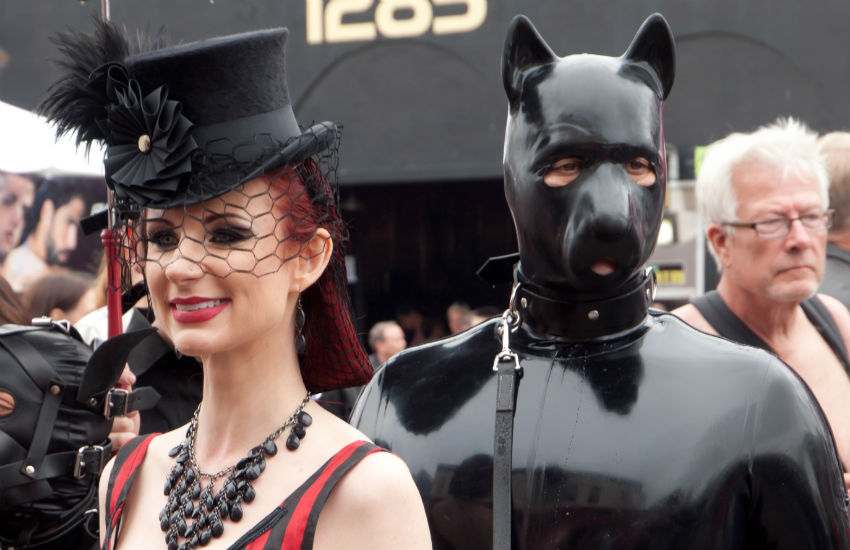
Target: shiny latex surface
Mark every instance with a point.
(604, 111)
(661, 437)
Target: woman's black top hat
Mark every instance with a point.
(182, 124)
(188, 123)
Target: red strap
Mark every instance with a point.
(259, 542)
(300, 515)
(122, 480)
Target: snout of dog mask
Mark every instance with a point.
(584, 160)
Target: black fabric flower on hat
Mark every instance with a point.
(150, 144)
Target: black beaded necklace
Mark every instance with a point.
(198, 524)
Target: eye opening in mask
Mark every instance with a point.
(641, 171)
(7, 403)
(563, 171)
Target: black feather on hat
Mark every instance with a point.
(73, 104)
(181, 124)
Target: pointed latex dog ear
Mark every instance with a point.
(524, 48)
(653, 47)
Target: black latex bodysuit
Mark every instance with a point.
(630, 430)
(661, 437)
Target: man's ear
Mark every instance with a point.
(313, 257)
(718, 239)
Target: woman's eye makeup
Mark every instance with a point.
(229, 234)
(162, 238)
(167, 238)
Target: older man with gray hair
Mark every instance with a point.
(763, 198)
(835, 148)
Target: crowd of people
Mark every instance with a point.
(273, 421)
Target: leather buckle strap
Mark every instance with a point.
(116, 402)
(87, 460)
(90, 460)
(119, 402)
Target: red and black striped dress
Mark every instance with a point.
(290, 525)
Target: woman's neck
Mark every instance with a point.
(247, 395)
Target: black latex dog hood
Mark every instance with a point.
(590, 238)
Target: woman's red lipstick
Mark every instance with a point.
(196, 309)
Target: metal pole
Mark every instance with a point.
(110, 239)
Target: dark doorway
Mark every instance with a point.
(419, 245)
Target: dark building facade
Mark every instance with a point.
(416, 86)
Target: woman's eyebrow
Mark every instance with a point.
(213, 216)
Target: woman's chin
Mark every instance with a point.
(192, 346)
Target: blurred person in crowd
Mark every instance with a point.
(93, 326)
(835, 148)
(17, 192)
(385, 339)
(411, 322)
(101, 283)
(420, 325)
(50, 233)
(455, 315)
(764, 199)
(12, 310)
(481, 314)
(63, 294)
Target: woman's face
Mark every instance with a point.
(219, 272)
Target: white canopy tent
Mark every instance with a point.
(28, 144)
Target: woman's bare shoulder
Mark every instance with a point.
(157, 447)
(166, 441)
(376, 505)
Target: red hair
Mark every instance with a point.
(333, 357)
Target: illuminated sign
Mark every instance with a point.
(342, 20)
(670, 274)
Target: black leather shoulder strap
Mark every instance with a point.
(719, 316)
(726, 323)
(825, 324)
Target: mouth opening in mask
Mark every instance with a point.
(604, 266)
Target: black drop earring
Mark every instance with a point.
(300, 320)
